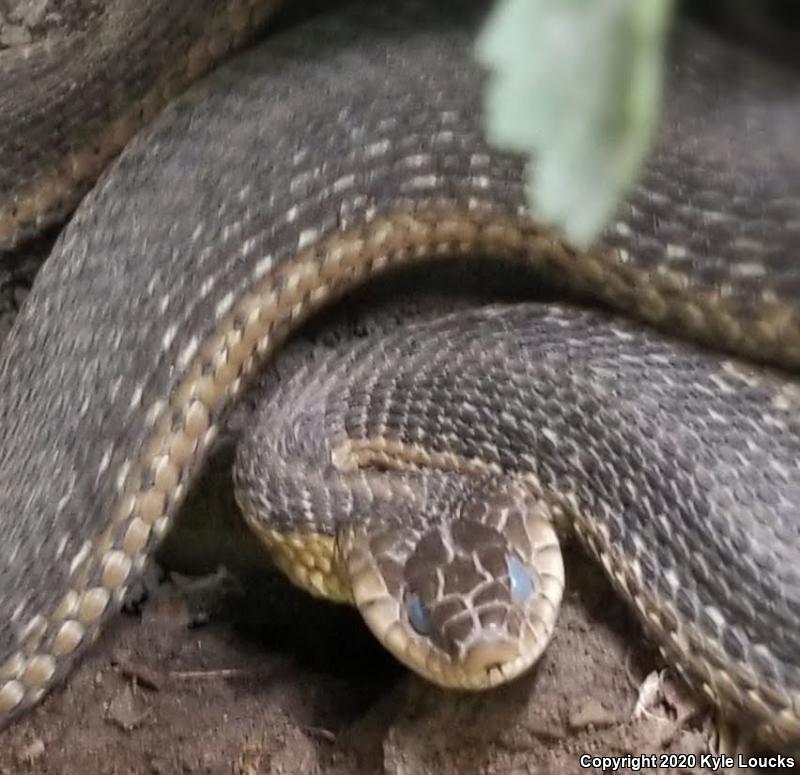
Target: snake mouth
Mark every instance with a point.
(492, 655)
(486, 635)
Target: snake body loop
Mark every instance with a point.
(284, 180)
(611, 429)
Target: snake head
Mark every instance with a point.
(469, 599)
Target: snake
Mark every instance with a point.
(419, 476)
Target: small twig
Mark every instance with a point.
(225, 672)
(323, 734)
(141, 675)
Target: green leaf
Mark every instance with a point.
(576, 85)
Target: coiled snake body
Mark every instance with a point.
(336, 151)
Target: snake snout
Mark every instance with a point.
(469, 600)
(491, 655)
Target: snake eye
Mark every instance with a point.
(418, 615)
(521, 581)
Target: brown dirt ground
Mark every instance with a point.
(234, 671)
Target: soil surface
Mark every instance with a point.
(220, 666)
